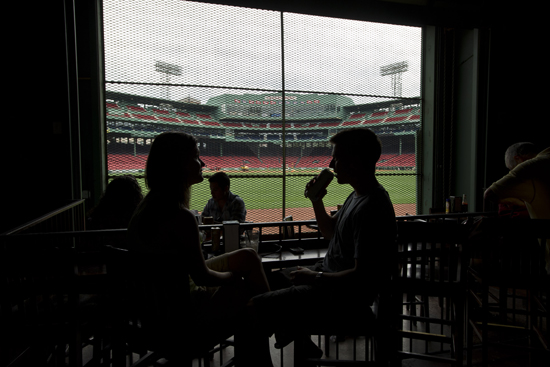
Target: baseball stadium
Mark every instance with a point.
(269, 144)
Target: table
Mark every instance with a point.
(286, 259)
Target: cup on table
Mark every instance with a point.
(208, 220)
(253, 239)
(216, 239)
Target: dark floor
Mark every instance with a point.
(504, 356)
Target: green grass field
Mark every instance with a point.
(267, 193)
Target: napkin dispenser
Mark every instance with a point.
(231, 235)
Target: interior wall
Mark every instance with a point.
(518, 83)
(37, 155)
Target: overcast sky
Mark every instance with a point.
(226, 46)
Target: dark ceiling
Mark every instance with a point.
(449, 13)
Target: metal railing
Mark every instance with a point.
(70, 217)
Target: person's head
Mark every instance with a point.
(117, 204)
(124, 190)
(355, 153)
(518, 153)
(173, 165)
(219, 185)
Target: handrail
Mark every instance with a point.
(255, 225)
(43, 218)
(445, 216)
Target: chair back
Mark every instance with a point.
(38, 301)
(152, 297)
(430, 254)
(514, 252)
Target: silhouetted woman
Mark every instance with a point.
(220, 287)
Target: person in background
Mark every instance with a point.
(115, 208)
(515, 154)
(224, 205)
(527, 183)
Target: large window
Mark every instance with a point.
(262, 91)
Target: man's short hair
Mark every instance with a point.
(221, 178)
(359, 142)
(524, 150)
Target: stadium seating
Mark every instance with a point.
(351, 123)
(119, 162)
(136, 108)
(210, 123)
(169, 119)
(162, 112)
(232, 124)
(407, 160)
(396, 119)
(404, 111)
(357, 116)
(144, 117)
(373, 121)
(204, 116)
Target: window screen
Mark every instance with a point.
(262, 91)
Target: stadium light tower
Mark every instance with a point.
(167, 70)
(396, 70)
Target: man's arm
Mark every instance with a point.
(490, 195)
(238, 210)
(325, 222)
(307, 276)
(206, 210)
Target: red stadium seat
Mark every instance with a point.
(374, 121)
(144, 117)
(394, 119)
(404, 111)
(162, 112)
(351, 123)
(136, 108)
(169, 119)
(210, 123)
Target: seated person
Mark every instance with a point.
(527, 183)
(516, 154)
(219, 288)
(116, 206)
(224, 205)
(356, 269)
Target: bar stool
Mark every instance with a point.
(509, 290)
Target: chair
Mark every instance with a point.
(509, 289)
(39, 305)
(153, 312)
(430, 257)
(378, 334)
(379, 338)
